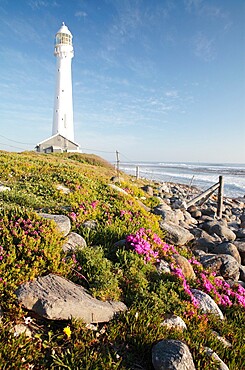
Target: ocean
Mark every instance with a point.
(201, 175)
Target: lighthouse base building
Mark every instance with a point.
(62, 139)
(57, 144)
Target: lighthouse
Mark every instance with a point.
(62, 139)
(63, 105)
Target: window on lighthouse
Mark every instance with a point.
(63, 38)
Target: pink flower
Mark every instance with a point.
(94, 204)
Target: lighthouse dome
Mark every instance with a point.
(63, 36)
(64, 29)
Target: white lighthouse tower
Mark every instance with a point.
(62, 139)
(63, 106)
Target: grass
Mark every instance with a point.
(31, 246)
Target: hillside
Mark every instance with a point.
(118, 248)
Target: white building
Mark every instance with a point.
(63, 127)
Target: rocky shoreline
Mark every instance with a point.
(218, 242)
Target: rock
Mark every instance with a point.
(226, 248)
(120, 243)
(185, 266)
(209, 352)
(164, 188)
(172, 354)
(169, 215)
(19, 329)
(161, 209)
(74, 242)
(174, 322)
(63, 222)
(163, 266)
(206, 303)
(179, 204)
(224, 341)
(210, 211)
(223, 264)
(148, 190)
(223, 231)
(147, 209)
(119, 190)
(208, 224)
(63, 189)
(240, 233)
(90, 224)
(176, 235)
(203, 240)
(196, 214)
(241, 249)
(242, 273)
(188, 218)
(242, 218)
(4, 188)
(115, 179)
(198, 252)
(56, 298)
(206, 219)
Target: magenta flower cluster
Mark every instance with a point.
(150, 245)
(177, 271)
(222, 292)
(28, 227)
(141, 243)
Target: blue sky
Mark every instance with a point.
(154, 79)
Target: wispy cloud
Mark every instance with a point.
(172, 94)
(37, 4)
(209, 11)
(81, 14)
(204, 47)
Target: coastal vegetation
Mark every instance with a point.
(124, 245)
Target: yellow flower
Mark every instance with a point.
(67, 331)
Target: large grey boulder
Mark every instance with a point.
(175, 234)
(74, 242)
(188, 218)
(172, 354)
(174, 216)
(241, 249)
(169, 215)
(206, 303)
(223, 264)
(227, 248)
(63, 222)
(223, 231)
(203, 240)
(56, 298)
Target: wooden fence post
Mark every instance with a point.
(137, 172)
(220, 197)
(117, 164)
